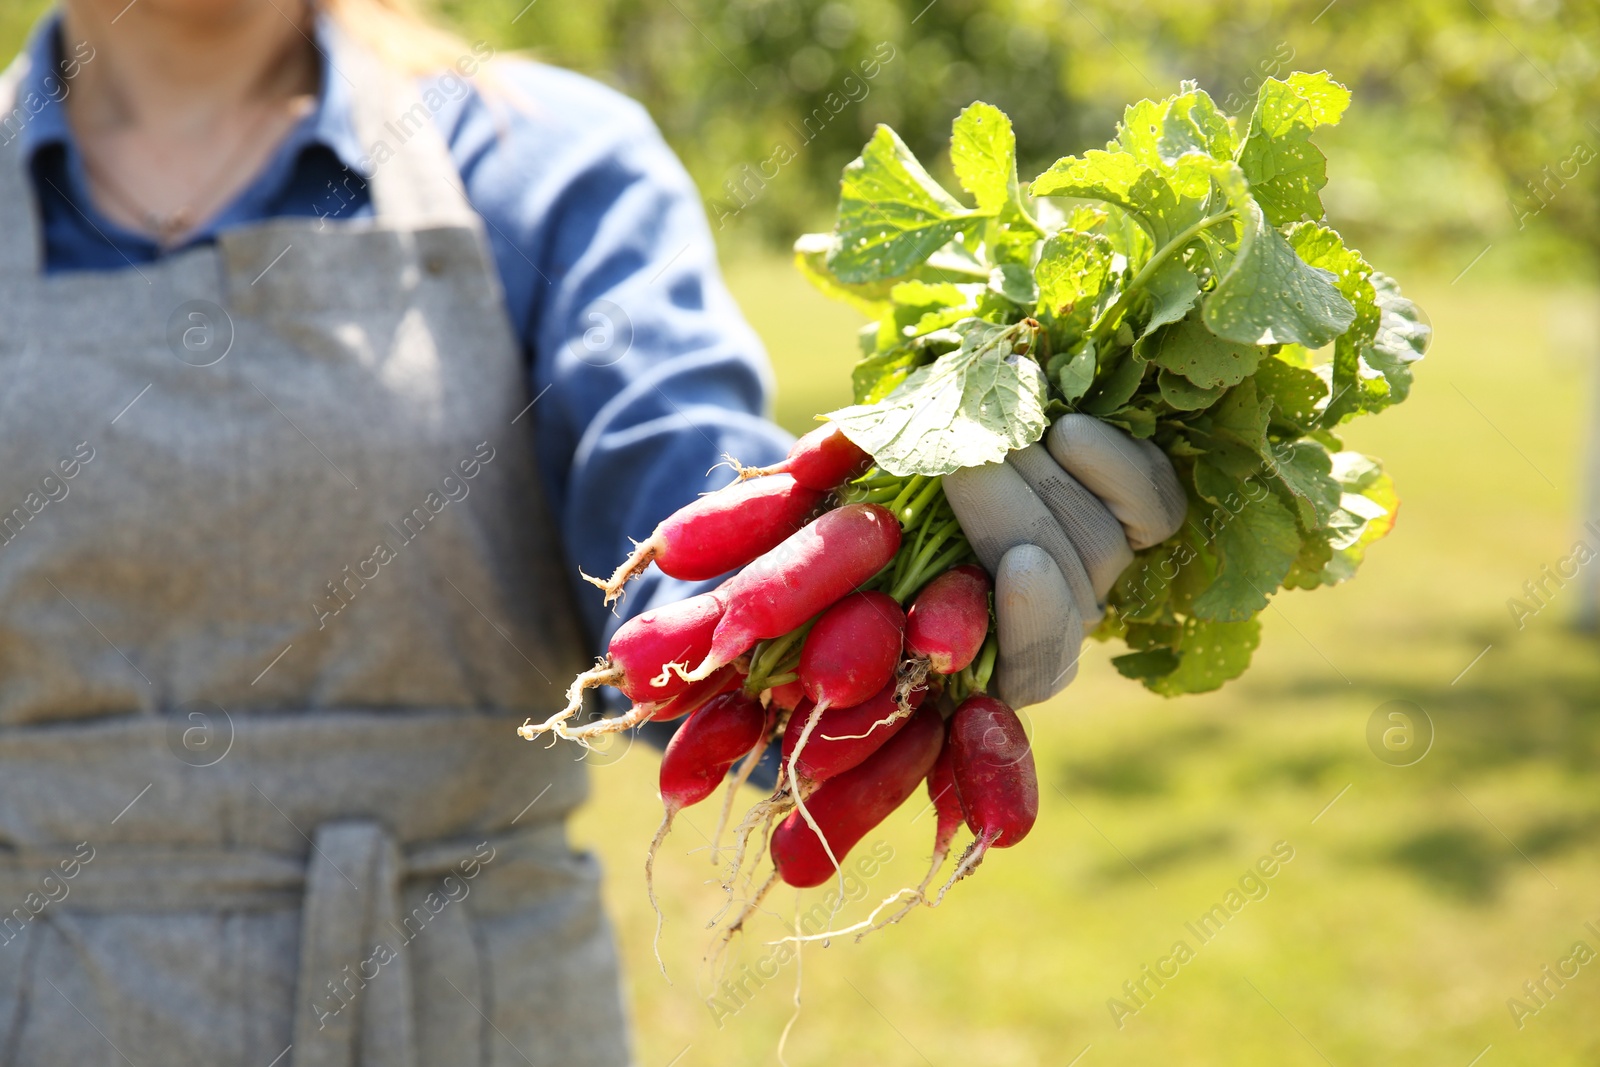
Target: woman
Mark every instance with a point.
(324, 373)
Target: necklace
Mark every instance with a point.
(167, 226)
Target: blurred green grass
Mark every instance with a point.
(1413, 907)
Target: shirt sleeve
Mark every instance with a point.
(645, 374)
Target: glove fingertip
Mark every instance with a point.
(1171, 500)
(1039, 627)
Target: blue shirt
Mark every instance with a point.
(645, 373)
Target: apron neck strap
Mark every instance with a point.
(413, 180)
(21, 248)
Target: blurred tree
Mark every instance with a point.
(1512, 84)
(741, 86)
(1474, 120)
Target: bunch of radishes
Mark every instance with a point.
(857, 630)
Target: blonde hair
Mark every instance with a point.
(398, 34)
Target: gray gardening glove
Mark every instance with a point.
(1056, 523)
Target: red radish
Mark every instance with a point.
(711, 741)
(852, 650)
(849, 655)
(824, 561)
(690, 699)
(719, 532)
(992, 764)
(787, 696)
(991, 761)
(636, 659)
(843, 737)
(848, 806)
(696, 760)
(823, 459)
(947, 809)
(698, 694)
(948, 817)
(950, 618)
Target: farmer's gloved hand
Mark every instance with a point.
(1056, 523)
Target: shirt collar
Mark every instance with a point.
(45, 86)
(41, 90)
(333, 123)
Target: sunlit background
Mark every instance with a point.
(1419, 899)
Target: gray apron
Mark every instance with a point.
(276, 586)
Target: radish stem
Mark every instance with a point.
(912, 487)
(1101, 328)
(945, 545)
(908, 516)
(774, 653)
(984, 667)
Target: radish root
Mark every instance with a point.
(745, 473)
(614, 724)
(969, 862)
(706, 669)
(650, 885)
(604, 672)
(899, 713)
(799, 976)
(774, 806)
(741, 775)
(806, 789)
(750, 908)
(908, 676)
(722, 944)
(918, 895)
(638, 560)
(865, 926)
(799, 797)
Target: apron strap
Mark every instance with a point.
(413, 181)
(21, 251)
(353, 1003)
